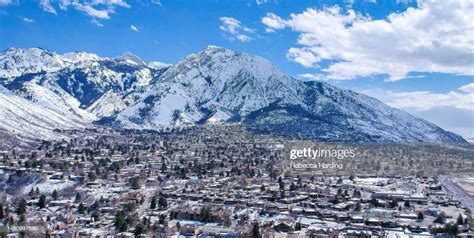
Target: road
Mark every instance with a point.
(457, 193)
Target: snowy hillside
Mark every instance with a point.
(26, 119)
(219, 85)
(16, 62)
(215, 86)
(80, 81)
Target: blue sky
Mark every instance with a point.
(414, 56)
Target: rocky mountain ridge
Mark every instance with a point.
(214, 86)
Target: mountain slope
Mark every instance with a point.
(215, 86)
(78, 82)
(222, 86)
(25, 119)
(16, 62)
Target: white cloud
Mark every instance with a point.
(110, 3)
(312, 76)
(468, 88)
(424, 100)
(90, 11)
(404, 2)
(5, 2)
(64, 4)
(97, 23)
(272, 21)
(248, 30)
(28, 20)
(243, 38)
(97, 9)
(134, 28)
(303, 57)
(435, 37)
(260, 2)
(230, 25)
(157, 2)
(46, 6)
(235, 29)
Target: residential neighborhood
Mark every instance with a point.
(218, 182)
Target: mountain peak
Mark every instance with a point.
(214, 48)
(218, 65)
(18, 61)
(10, 49)
(216, 85)
(130, 58)
(78, 56)
(37, 50)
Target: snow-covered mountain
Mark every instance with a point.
(15, 62)
(215, 86)
(80, 81)
(25, 119)
(219, 85)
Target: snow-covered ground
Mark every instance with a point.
(26, 119)
(48, 185)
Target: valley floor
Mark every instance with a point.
(225, 181)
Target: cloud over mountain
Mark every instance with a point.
(235, 29)
(435, 37)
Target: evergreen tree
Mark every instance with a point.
(78, 197)
(420, 216)
(281, 184)
(162, 219)
(31, 193)
(91, 176)
(162, 203)
(81, 208)
(153, 203)
(440, 219)
(163, 167)
(120, 223)
(358, 207)
(205, 214)
(22, 218)
(460, 220)
(135, 183)
(21, 207)
(139, 229)
(2, 215)
(292, 187)
(255, 231)
(42, 201)
(178, 226)
(55, 195)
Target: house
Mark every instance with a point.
(283, 226)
